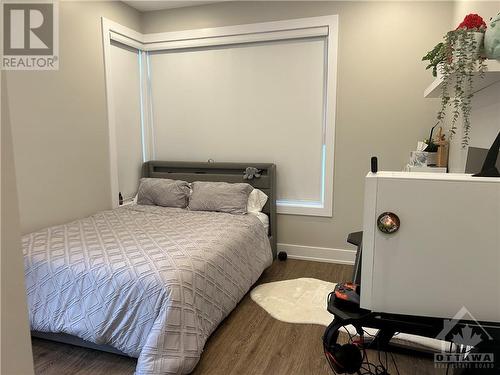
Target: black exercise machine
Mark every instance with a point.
(349, 358)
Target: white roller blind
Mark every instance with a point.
(255, 102)
(126, 86)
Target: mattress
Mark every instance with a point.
(150, 281)
(263, 218)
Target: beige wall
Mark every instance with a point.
(59, 130)
(59, 122)
(381, 109)
(15, 354)
(485, 9)
(60, 125)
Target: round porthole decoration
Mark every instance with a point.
(388, 222)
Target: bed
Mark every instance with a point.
(146, 281)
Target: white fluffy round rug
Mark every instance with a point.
(304, 301)
(295, 301)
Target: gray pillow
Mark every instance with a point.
(163, 192)
(220, 196)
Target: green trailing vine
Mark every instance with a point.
(435, 57)
(461, 62)
(458, 60)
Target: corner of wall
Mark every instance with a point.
(16, 355)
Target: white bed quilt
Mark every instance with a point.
(153, 282)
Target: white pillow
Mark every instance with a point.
(256, 201)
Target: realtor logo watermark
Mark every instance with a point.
(30, 35)
(464, 351)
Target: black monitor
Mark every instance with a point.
(476, 158)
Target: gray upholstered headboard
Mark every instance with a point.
(221, 172)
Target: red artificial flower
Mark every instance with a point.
(472, 21)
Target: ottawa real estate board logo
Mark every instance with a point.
(30, 35)
(470, 344)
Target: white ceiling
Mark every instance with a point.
(146, 6)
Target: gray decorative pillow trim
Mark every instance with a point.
(220, 196)
(163, 192)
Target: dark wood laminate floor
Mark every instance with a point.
(249, 341)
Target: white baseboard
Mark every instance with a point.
(318, 254)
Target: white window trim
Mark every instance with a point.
(325, 26)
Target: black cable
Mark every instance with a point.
(327, 354)
(366, 368)
(348, 334)
(371, 368)
(392, 356)
(365, 355)
(328, 360)
(448, 364)
(395, 364)
(386, 360)
(378, 351)
(366, 333)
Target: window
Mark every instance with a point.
(256, 93)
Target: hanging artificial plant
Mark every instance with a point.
(457, 59)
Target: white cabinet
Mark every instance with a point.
(446, 254)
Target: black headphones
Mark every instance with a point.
(343, 359)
